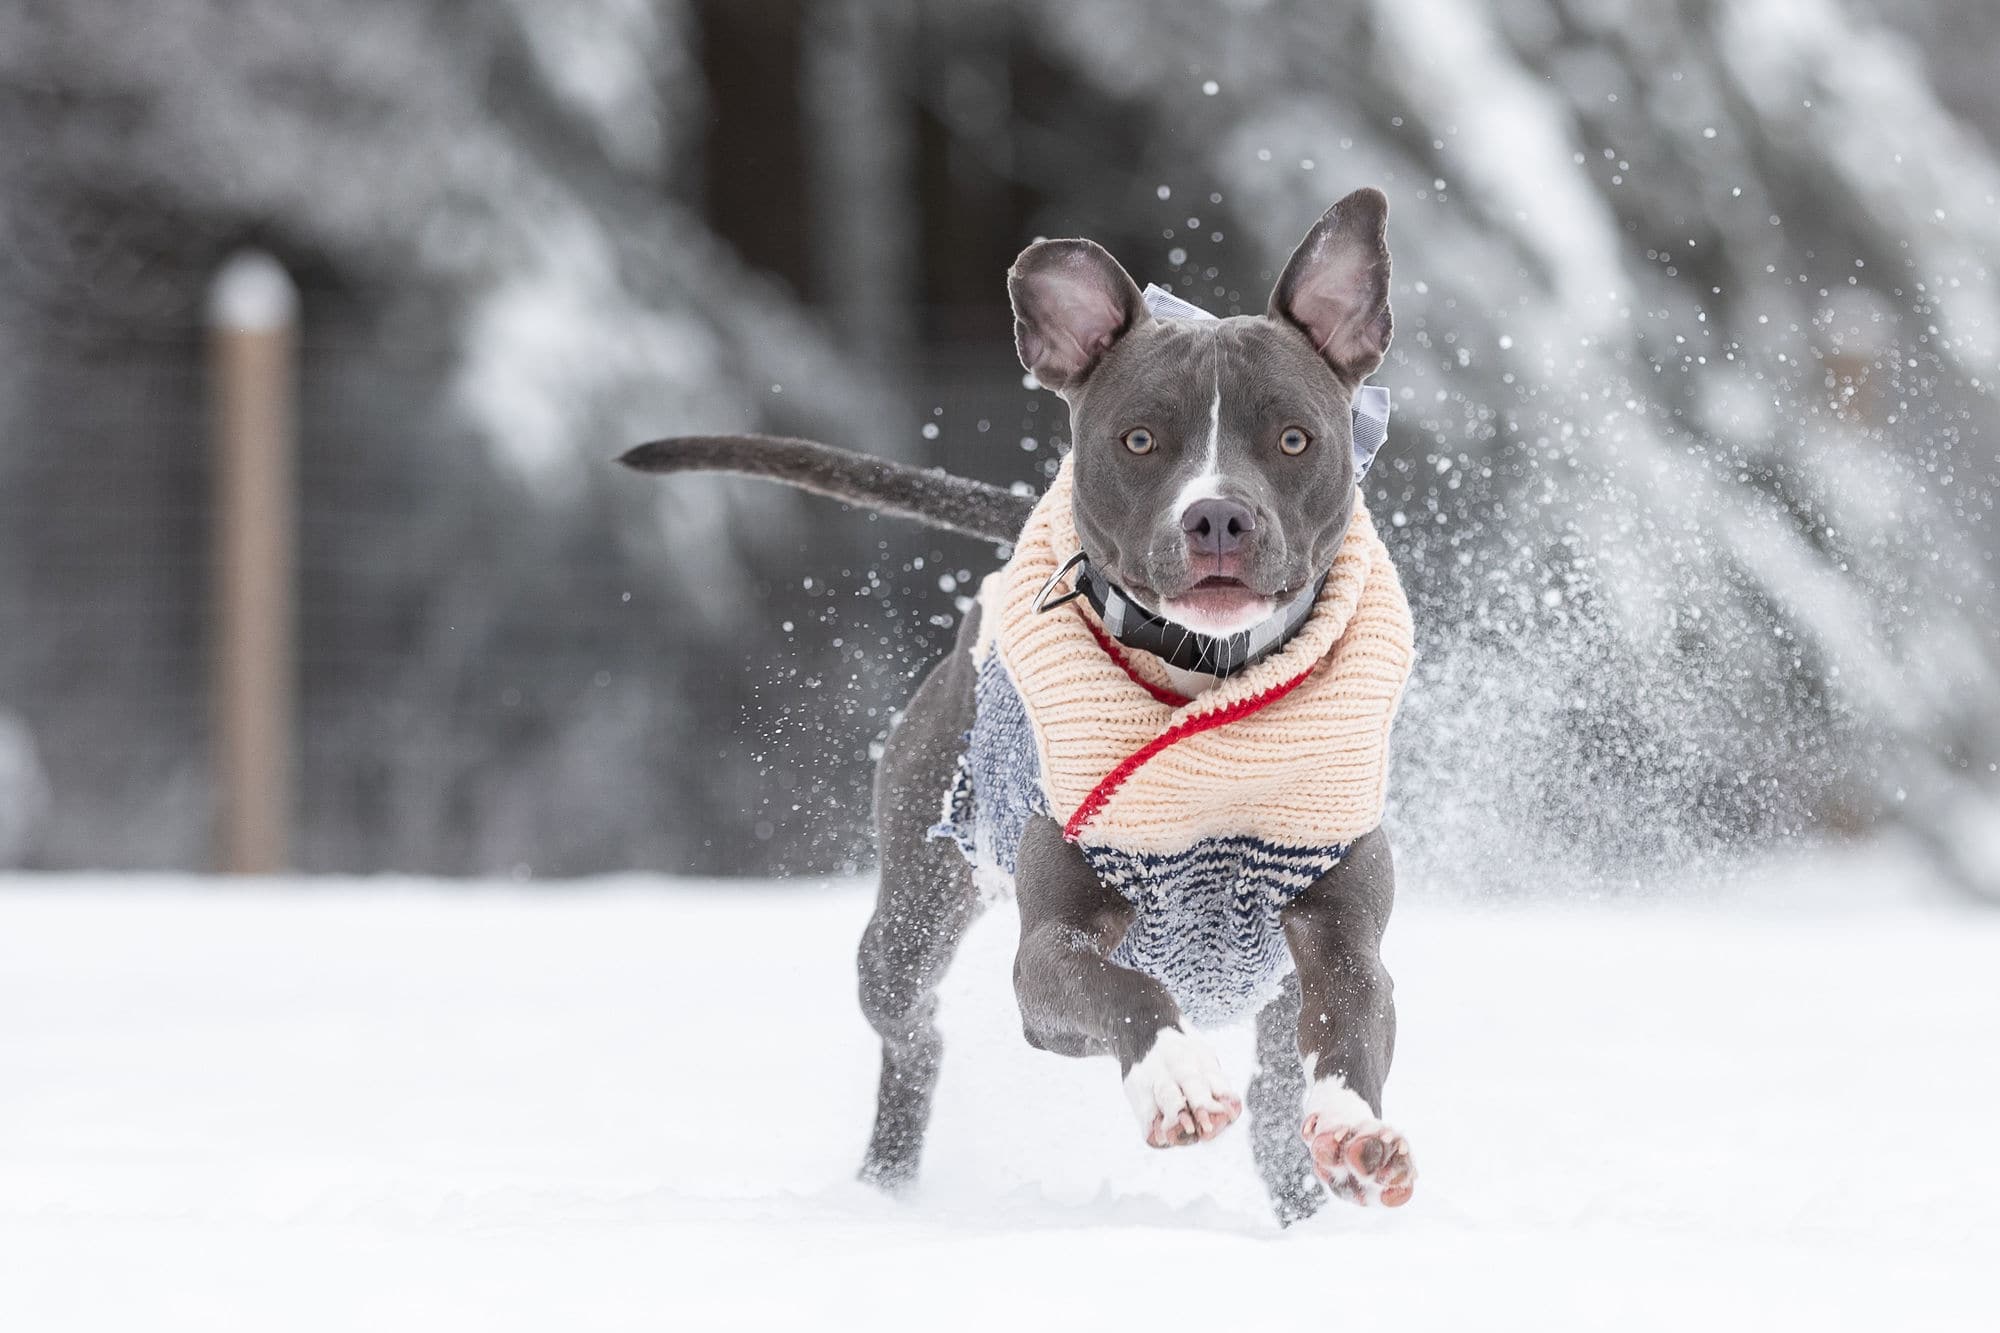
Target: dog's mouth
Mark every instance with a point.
(1218, 607)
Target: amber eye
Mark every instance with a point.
(1139, 440)
(1294, 440)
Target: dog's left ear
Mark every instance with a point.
(1071, 302)
(1336, 286)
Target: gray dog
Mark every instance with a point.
(1212, 500)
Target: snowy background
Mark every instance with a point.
(1692, 475)
(1692, 480)
(421, 1106)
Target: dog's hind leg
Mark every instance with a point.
(923, 907)
(1276, 1095)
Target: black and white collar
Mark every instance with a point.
(1132, 625)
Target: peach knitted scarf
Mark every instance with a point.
(1294, 749)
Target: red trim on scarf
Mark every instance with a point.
(1165, 696)
(1102, 793)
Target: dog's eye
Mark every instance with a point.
(1139, 440)
(1294, 440)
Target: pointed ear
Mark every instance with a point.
(1336, 286)
(1071, 302)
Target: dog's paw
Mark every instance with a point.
(1178, 1092)
(1361, 1159)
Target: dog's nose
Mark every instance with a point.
(1216, 526)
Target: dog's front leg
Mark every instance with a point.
(1075, 1001)
(1347, 1025)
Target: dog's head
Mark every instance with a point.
(1213, 462)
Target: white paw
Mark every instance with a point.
(1360, 1158)
(1178, 1092)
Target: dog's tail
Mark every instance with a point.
(933, 497)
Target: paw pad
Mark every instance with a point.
(1363, 1163)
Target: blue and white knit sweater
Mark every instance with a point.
(1207, 815)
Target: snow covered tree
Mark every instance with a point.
(1691, 474)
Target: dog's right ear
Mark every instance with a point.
(1336, 287)
(1071, 302)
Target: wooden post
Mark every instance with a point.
(253, 313)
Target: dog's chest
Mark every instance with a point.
(1188, 684)
(1206, 923)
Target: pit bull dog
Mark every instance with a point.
(1163, 725)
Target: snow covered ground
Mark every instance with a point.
(638, 1104)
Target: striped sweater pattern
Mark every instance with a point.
(1208, 815)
